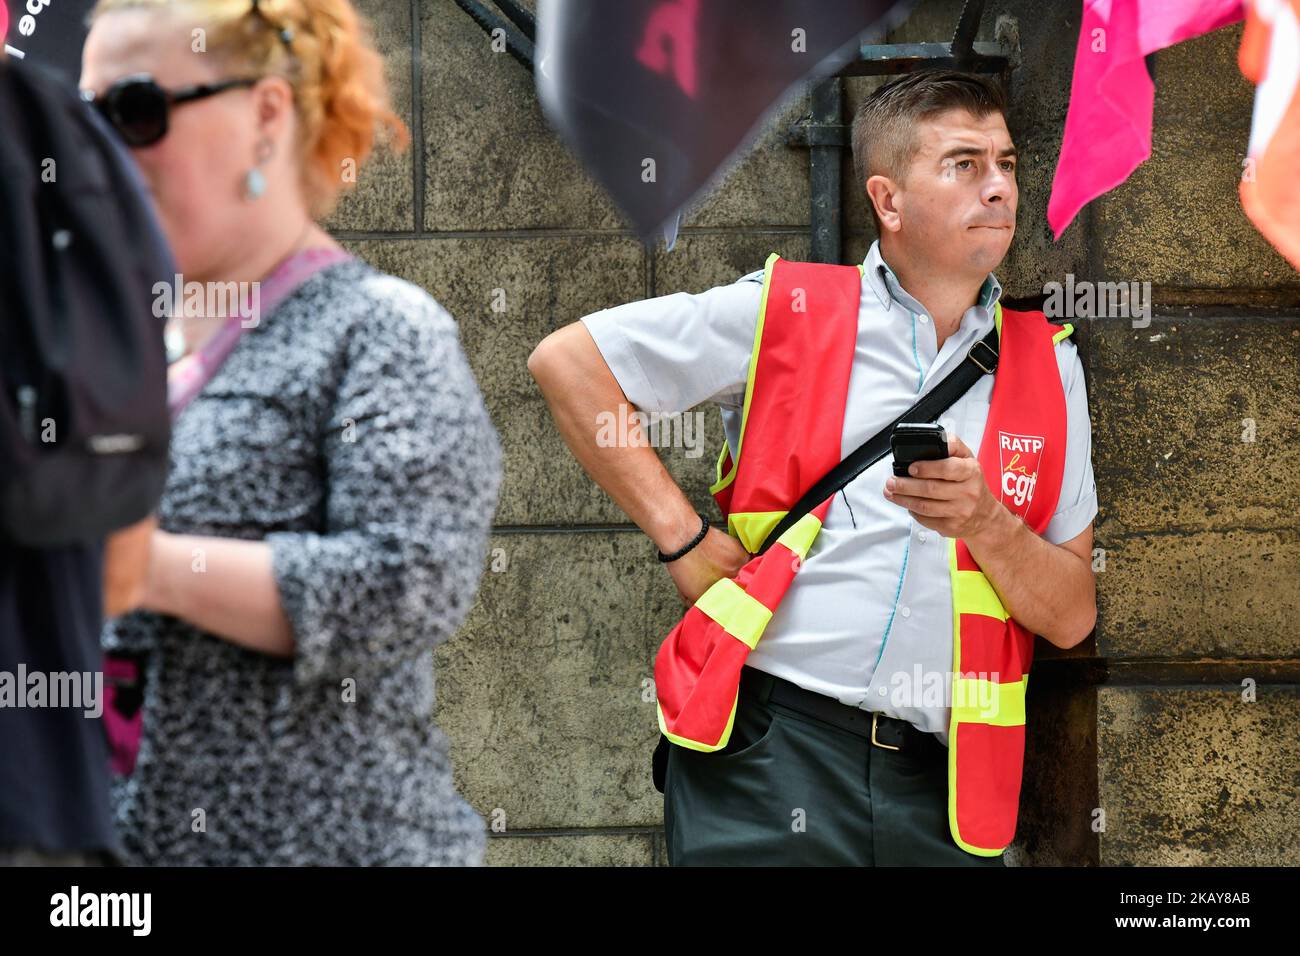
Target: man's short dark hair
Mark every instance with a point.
(884, 127)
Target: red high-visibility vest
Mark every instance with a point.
(791, 431)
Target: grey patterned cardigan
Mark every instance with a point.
(347, 430)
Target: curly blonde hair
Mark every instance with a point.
(326, 55)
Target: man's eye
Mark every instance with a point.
(1009, 166)
(961, 163)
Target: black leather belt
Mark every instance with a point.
(888, 733)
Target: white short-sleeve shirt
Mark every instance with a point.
(868, 619)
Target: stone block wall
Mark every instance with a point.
(1171, 736)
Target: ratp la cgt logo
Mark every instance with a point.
(1019, 456)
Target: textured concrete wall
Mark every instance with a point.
(1144, 748)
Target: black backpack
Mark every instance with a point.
(84, 427)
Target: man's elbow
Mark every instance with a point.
(1081, 630)
(560, 360)
(542, 359)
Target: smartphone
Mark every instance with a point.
(916, 441)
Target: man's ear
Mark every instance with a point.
(880, 193)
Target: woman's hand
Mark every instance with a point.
(718, 556)
(225, 586)
(126, 566)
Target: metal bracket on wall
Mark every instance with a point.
(822, 130)
(825, 134)
(518, 28)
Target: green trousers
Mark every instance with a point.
(792, 790)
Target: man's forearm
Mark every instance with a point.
(1048, 589)
(579, 388)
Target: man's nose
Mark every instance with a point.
(999, 186)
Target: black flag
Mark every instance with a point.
(655, 95)
(49, 32)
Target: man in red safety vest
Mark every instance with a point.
(855, 693)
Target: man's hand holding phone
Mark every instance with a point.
(940, 482)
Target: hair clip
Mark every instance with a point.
(285, 34)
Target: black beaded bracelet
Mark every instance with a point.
(704, 529)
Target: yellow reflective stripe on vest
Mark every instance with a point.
(799, 536)
(975, 595)
(717, 469)
(753, 527)
(976, 700)
(695, 744)
(741, 616)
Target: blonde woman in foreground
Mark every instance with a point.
(334, 470)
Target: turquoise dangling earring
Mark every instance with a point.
(254, 180)
(254, 183)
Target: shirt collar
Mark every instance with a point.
(888, 289)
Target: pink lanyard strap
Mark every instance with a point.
(187, 377)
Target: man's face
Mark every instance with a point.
(956, 205)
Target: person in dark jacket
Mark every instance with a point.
(54, 761)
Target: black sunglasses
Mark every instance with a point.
(137, 107)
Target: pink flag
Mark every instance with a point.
(1108, 127)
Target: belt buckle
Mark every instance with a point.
(875, 715)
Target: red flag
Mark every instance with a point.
(1270, 187)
